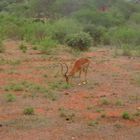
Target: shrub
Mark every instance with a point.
(47, 44)
(80, 41)
(125, 35)
(135, 17)
(28, 111)
(97, 32)
(23, 47)
(12, 31)
(10, 97)
(105, 101)
(126, 50)
(119, 103)
(126, 115)
(63, 27)
(106, 19)
(34, 31)
(14, 87)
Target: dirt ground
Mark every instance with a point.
(68, 112)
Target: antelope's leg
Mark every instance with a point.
(86, 70)
(80, 73)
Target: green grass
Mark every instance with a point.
(127, 51)
(14, 87)
(119, 103)
(105, 101)
(137, 113)
(126, 116)
(25, 86)
(67, 114)
(27, 122)
(59, 85)
(99, 110)
(93, 123)
(29, 111)
(137, 80)
(9, 62)
(23, 48)
(10, 97)
(117, 125)
(51, 95)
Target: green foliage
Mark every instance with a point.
(126, 50)
(47, 44)
(93, 123)
(117, 25)
(105, 101)
(80, 41)
(51, 95)
(126, 116)
(126, 35)
(135, 17)
(25, 86)
(106, 19)
(63, 27)
(28, 111)
(14, 87)
(10, 97)
(119, 103)
(23, 47)
(34, 31)
(97, 32)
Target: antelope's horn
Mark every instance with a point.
(61, 68)
(67, 68)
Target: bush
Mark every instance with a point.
(97, 32)
(126, 50)
(126, 115)
(34, 31)
(106, 19)
(12, 31)
(63, 27)
(28, 111)
(23, 47)
(126, 35)
(47, 44)
(80, 41)
(135, 17)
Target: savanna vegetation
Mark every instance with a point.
(95, 95)
(77, 23)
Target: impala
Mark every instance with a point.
(80, 65)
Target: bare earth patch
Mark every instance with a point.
(87, 112)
